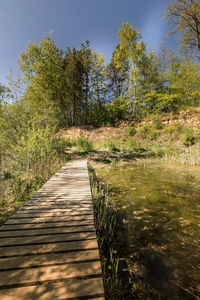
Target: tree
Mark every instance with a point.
(187, 84)
(73, 74)
(98, 89)
(43, 75)
(185, 17)
(117, 73)
(87, 63)
(133, 49)
(5, 93)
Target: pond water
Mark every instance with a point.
(160, 204)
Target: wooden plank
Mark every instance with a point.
(45, 205)
(58, 199)
(46, 225)
(48, 210)
(47, 259)
(42, 274)
(57, 205)
(57, 291)
(40, 231)
(56, 214)
(48, 248)
(49, 219)
(43, 239)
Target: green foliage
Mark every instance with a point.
(185, 17)
(106, 228)
(157, 122)
(81, 89)
(110, 145)
(43, 74)
(170, 128)
(118, 109)
(35, 149)
(130, 143)
(84, 145)
(143, 131)
(21, 189)
(153, 134)
(31, 150)
(162, 102)
(189, 138)
(107, 145)
(131, 130)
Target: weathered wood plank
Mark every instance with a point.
(57, 291)
(40, 231)
(44, 205)
(53, 214)
(47, 248)
(49, 219)
(47, 273)
(43, 239)
(47, 259)
(22, 226)
(67, 211)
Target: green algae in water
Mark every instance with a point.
(161, 206)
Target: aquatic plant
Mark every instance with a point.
(107, 225)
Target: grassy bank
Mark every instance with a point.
(26, 168)
(14, 192)
(169, 138)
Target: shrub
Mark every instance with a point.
(112, 146)
(20, 189)
(153, 134)
(108, 145)
(157, 123)
(130, 143)
(169, 129)
(189, 138)
(143, 131)
(131, 130)
(36, 152)
(83, 145)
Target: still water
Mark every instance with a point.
(160, 204)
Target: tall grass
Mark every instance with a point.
(84, 145)
(107, 228)
(32, 161)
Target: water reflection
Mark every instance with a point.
(161, 206)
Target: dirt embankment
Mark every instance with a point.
(94, 134)
(187, 118)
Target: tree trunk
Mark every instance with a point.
(86, 100)
(74, 110)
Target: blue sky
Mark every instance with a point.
(71, 22)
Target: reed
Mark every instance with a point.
(107, 227)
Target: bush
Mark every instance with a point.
(107, 145)
(83, 145)
(157, 123)
(20, 189)
(143, 131)
(131, 130)
(170, 129)
(36, 151)
(153, 134)
(130, 143)
(189, 138)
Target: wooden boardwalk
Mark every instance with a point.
(48, 248)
